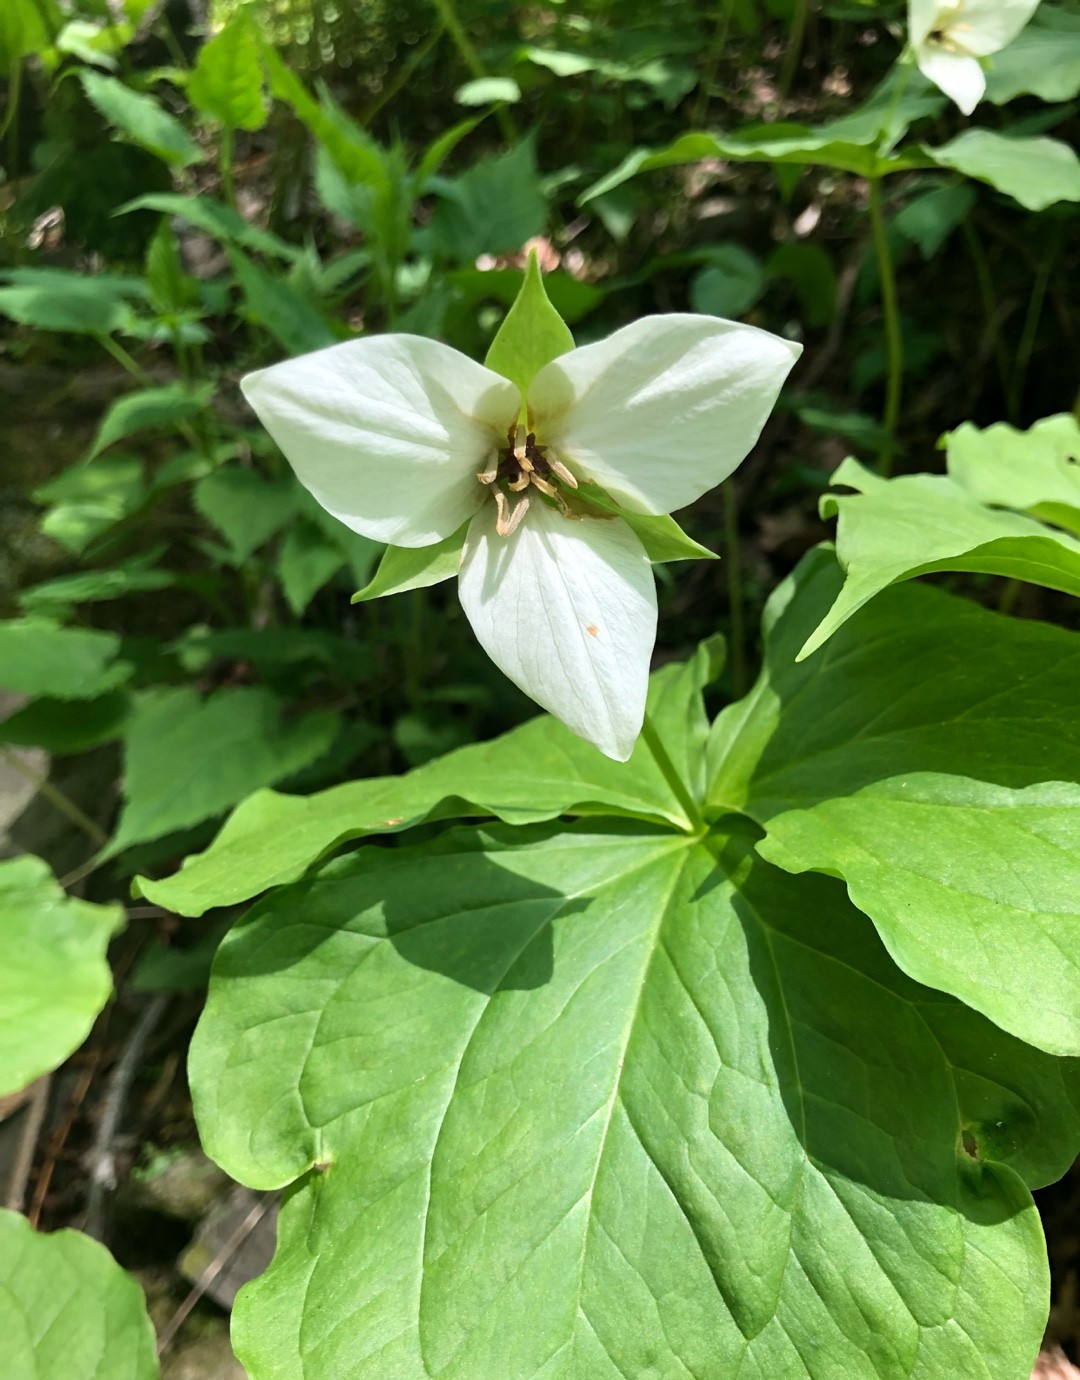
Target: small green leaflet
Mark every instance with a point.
(55, 976)
(532, 333)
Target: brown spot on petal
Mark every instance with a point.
(592, 630)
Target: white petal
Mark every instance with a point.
(961, 78)
(662, 410)
(387, 432)
(922, 16)
(567, 610)
(986, 26)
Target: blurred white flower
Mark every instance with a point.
(405, 440)
(950, 36)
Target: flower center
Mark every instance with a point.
(516, 470)
(947, 27)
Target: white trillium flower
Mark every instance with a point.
(405, 440)
(950, 36)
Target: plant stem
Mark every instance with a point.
(671, 775)
(8, 122)
(225, 166)
(733, 572)
(712, 60)
(125, 360)
(795, 45)
(1031, 326)
(989, 303)
(56, 798)
(471, 59)
(894, 340)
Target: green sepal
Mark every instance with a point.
(532, 333)
(414, 567)
(661, 536)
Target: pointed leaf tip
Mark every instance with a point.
(532, 333)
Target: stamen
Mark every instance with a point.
(508, 519)
(562, 472)
(521, 482)
(489, 475)
(544, 486)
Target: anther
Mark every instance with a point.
(559, 469)
(508, 519)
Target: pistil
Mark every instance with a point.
(519, 467)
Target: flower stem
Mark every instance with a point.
(733, 571)
(671, 775)
(894, 340)
(56, 797)
(1031, 326)
(794, 51)
(712, 61)
(449, 16)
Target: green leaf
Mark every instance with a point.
(661, 536)
(54, 299)
(55, 978)
(1043, 60)
(952, 760)
(245, 507)
(295, 323)
(612, 1102)
(150, 409)
(929, 219)
(134, 576)
(22, 32)
(306, 561)
(942, 864)
(216, 219)
(488, 91)
(493, 208)
(1035, 471)
(414, 567)
(536, 772)
(811, 272)
(894, 529)
(38, 658)
(50, 724)
(69, 1312)
(1035, 172)
(227, 82)
(141, 119)
(274, 649)
(187, 759)
(731, 283)
(87, 500)
(532, 333)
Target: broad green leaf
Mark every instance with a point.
(50, 723)
(150, 409)
(948, 729)
(895, 529)
(608, 1102)
(55, 299)
(68, 1311)
(493, 208)
(1035, 471)
(227, 82)
(1043, 60)
(142, 119)
(929, 219)
(536, 772)
(306, 561)
(246, 507)
(414, 567)
(810, 271)
(92, 42)
(532, 333)
(215, 219)
(55, 977)
(973, 888)
(187, 759)
(731, 283)
(1036, 172)
(294, 322)
(274, 649)
(134, 576)
(22, 32)
(86, 500)
(39, 658)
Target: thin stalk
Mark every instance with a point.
(404, 74)
(225, 166)
(793, 55)
(8, 122)
(125, 360)
(733, 572)
(894, 339)
(1031, 328)
(56, 798)
(712, 60)
(671, 775)
(471, 59)
(985, 280)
